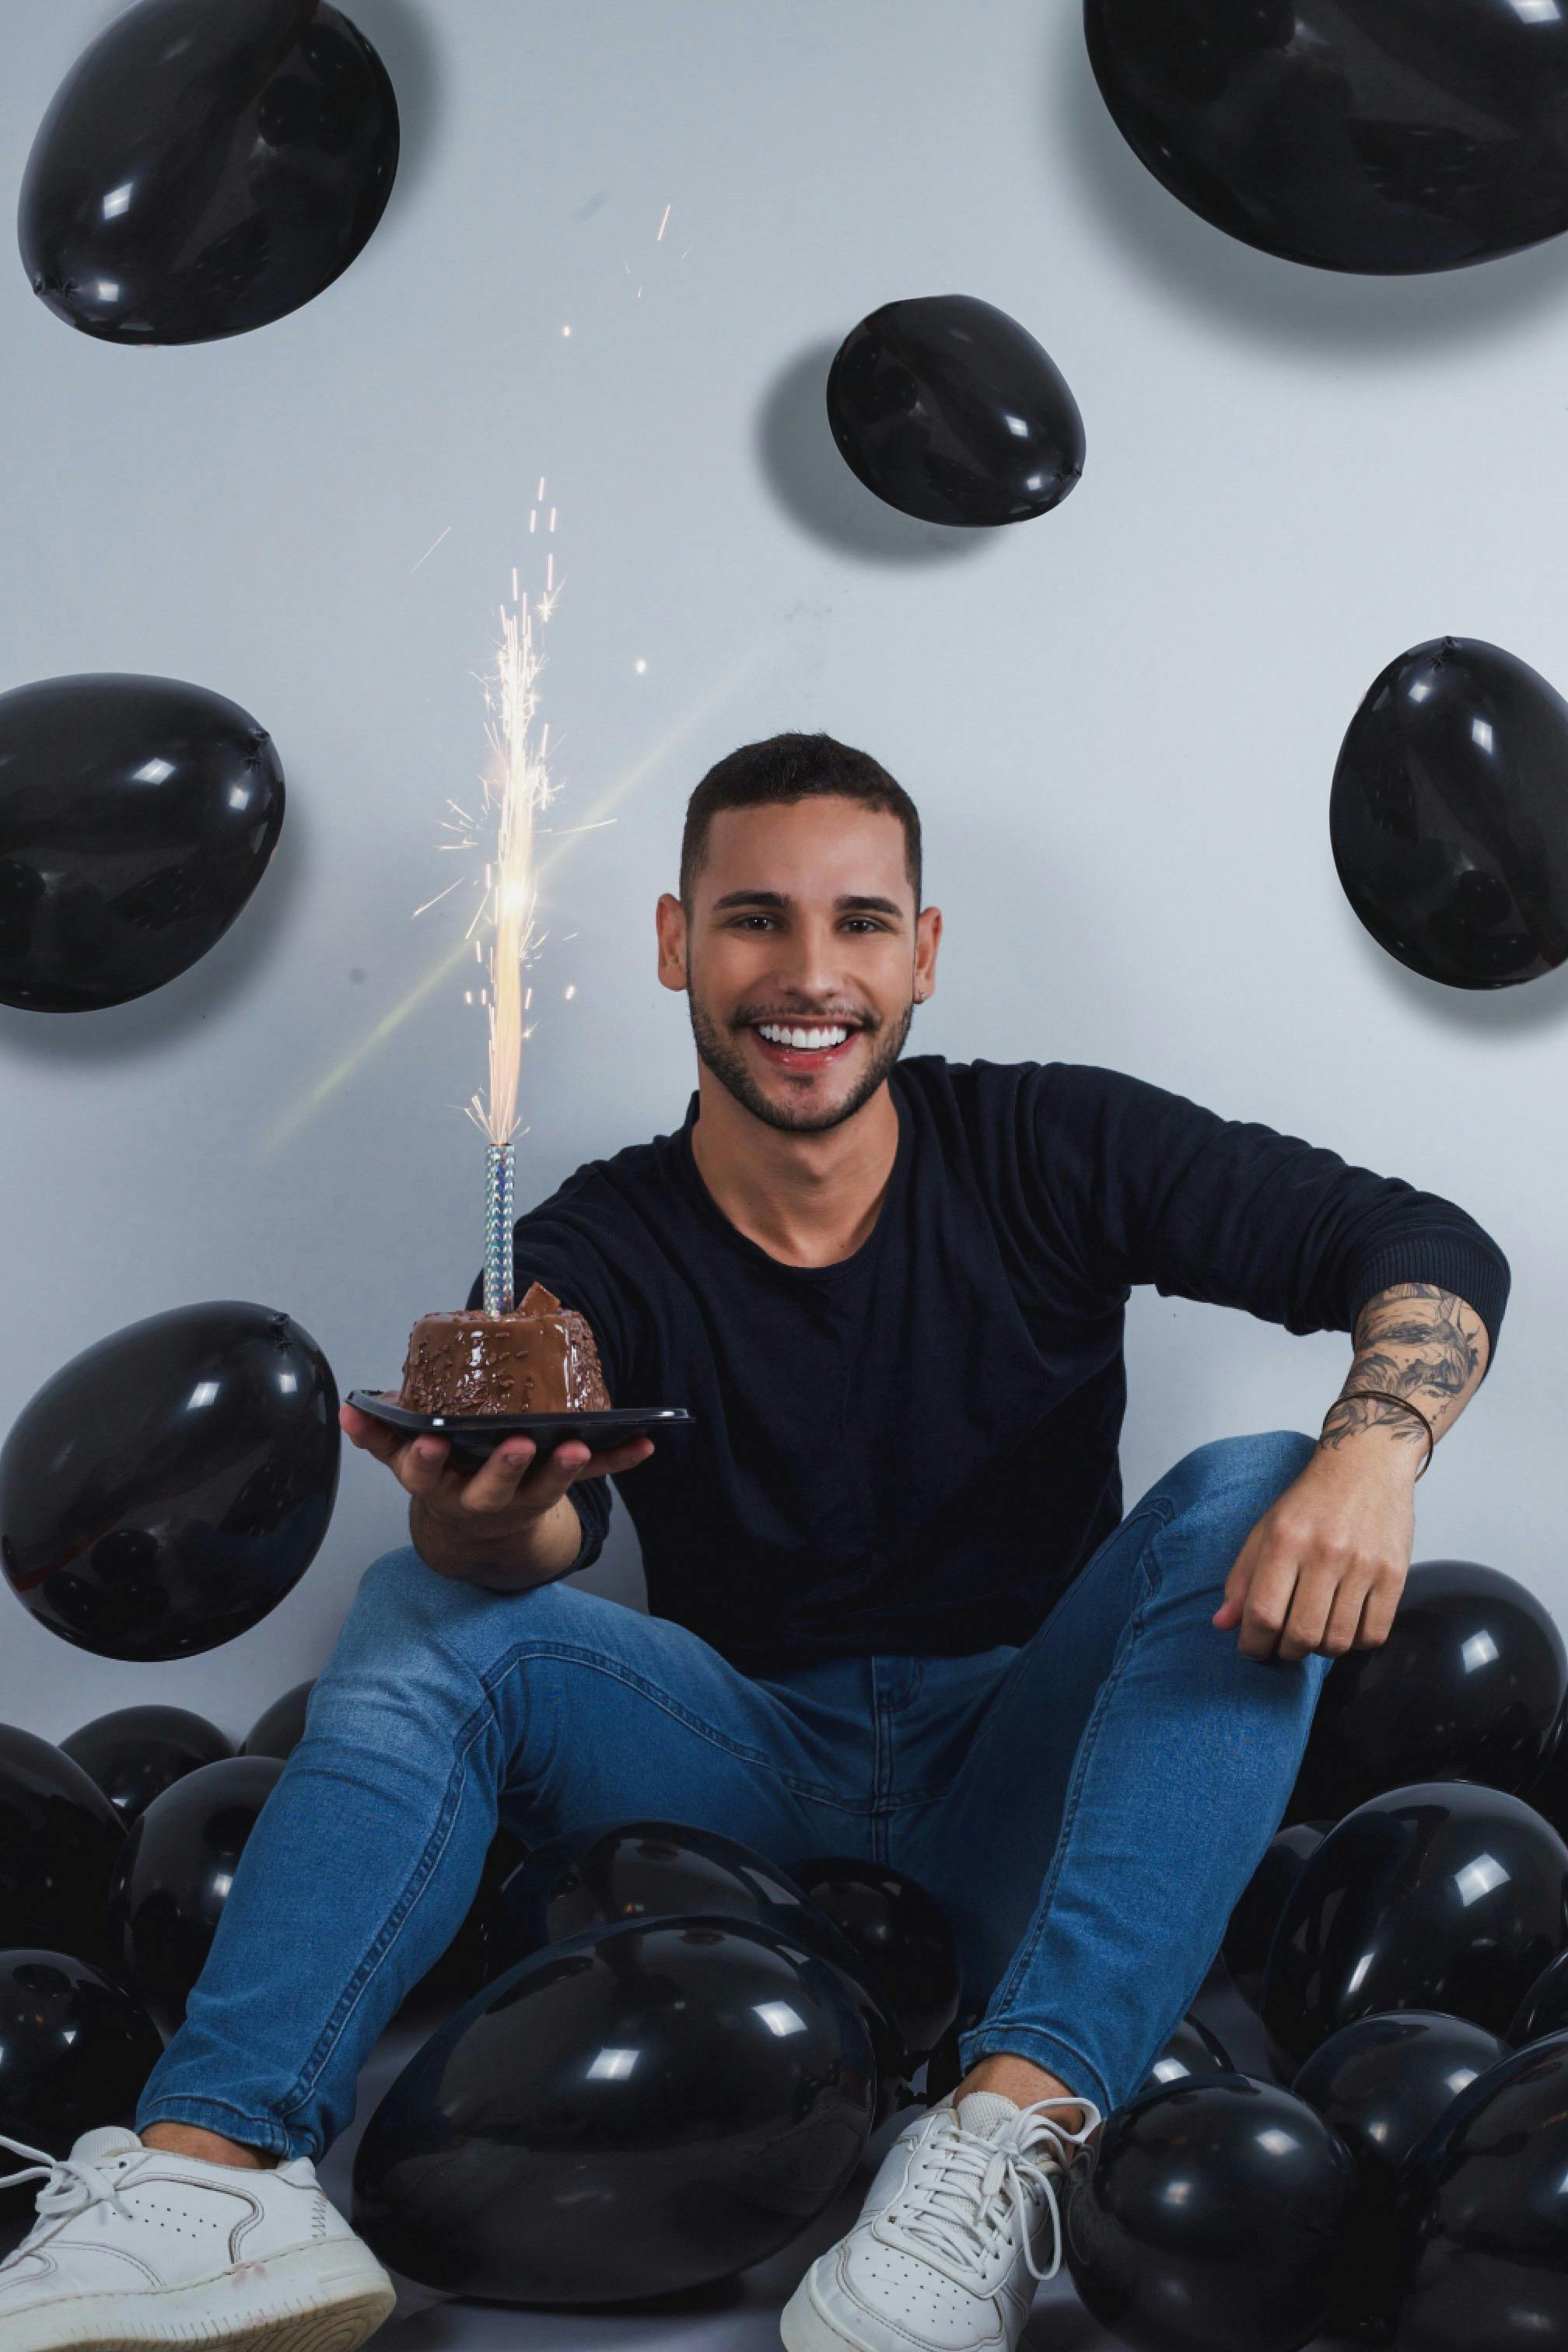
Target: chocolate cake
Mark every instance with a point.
(540, 1358)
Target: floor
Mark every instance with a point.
(742, 2316)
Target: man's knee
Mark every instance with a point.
(1262, 1464)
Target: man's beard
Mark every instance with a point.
(728, 1063)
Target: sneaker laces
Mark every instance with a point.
(965, 2209)
(69, 2186)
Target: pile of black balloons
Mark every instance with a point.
(117, 1852)
(1404, 2180)
(674, 2072)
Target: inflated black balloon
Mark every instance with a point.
(175, 1872)
(60, 1839)
(1448, 818)
(902, 1935)
(278, 1729)
(1194, 2048)
(1257, 1913)
(137, 815)
(638, 2110)
(1205, 2217)
(168, 1486)
(1483, 2208)
(1379, 136)
(1544, 2009)
(136, 1752)
(202, 170)
(603, 1872)
(944, 2068)
(1382, 2082)
(949, 410)
(75, 2051)
(1443, 1895)
(1466, 1687)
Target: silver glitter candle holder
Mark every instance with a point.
(498, 1221)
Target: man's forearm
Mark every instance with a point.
(509, 1564)
(1422, 1343)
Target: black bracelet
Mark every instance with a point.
(1388, 1396)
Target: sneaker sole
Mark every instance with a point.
(302, 2315)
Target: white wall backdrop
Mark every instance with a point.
(1120, 722)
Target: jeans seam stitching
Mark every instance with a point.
(1023, 1957)
(354, 1992)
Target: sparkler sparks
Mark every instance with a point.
(516, 788)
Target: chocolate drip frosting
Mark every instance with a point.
(540, 1358)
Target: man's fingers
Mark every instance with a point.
(1311, 1607)
(422, 1462)
(1268, 1601)
(616, 1457)
(495, 1482)
(372, 1436)
(1377, 1612)
(1344, 1615)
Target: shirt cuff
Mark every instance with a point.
(1451, 1261)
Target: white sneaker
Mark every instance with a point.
(136, 2245)
(943, 2257)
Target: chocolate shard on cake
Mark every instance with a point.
(539, 1358)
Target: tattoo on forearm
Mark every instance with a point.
(1422, 1343)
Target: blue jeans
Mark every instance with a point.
(1088, 1807)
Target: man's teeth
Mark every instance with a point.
(807, 1039)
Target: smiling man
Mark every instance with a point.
(896, 1606)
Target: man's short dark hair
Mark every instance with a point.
(794, 768)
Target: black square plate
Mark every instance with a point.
(479, 1433)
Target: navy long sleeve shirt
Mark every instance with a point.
(915, 1450)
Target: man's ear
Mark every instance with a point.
(669, 917)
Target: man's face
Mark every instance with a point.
(800, 958)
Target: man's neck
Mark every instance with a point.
(808, 1199)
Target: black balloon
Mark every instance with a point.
(1193, 2049)
(75, 2051)
(1544, 2009)
(1256, 1914)
(137, 815)
(60, 1839)
(901, 1935)
(949, 410)
(278, 1729)
(168, 1486)
(202, 170)
(136, 1752)
(1443, 1895)
(1466, 1687)
(1382, 2082)
(1205, 2217)
(1448, 817)
(944, 2068)
(175, 1872)
(603, 1872)
(639, 2110)
(1386, 137)
(1482, 2205)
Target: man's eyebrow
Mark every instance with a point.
(847, 903)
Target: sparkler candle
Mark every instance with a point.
(516, 786)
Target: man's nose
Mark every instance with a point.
(809, 963)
